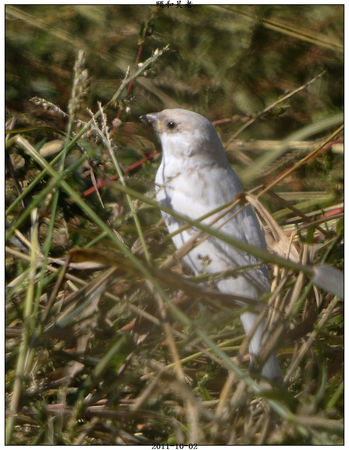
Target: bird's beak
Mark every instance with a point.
(149, 119)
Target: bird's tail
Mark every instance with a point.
(271, 368)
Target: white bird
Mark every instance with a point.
(194, 178)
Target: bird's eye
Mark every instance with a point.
(171, 125)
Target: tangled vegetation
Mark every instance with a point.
(109, 339)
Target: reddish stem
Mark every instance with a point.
(103, 183)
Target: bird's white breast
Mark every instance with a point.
(191, 192)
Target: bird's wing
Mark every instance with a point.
(243, 225)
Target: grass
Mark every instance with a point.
(109, 339)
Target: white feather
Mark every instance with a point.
(195, 178)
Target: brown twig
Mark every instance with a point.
(318, 150)
(272, 106)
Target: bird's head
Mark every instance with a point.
(186, 134)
